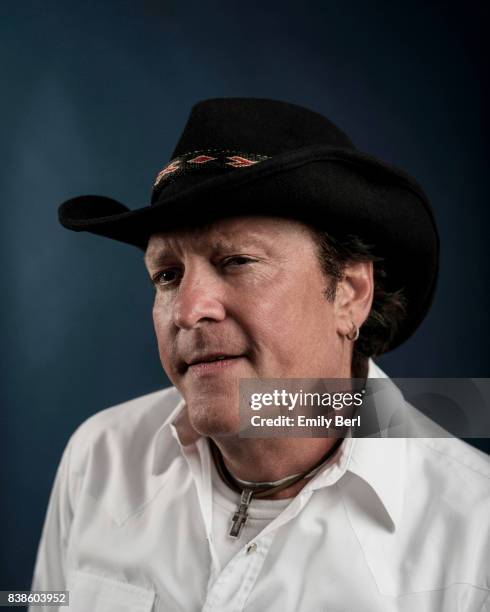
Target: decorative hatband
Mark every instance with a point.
(208, 159)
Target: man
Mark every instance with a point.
(277, 251)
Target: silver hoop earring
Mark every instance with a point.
(353, 335)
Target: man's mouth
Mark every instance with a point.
(210, 360)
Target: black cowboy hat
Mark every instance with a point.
(246, 156)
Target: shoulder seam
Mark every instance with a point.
(452, 458)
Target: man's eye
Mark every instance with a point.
(237, 260)
(166, 277)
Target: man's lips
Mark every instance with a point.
(210, 361)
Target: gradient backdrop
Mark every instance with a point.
(94, 95)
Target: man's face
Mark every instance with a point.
(241, 298)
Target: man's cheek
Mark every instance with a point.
(161, 326)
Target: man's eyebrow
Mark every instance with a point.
(156, 259)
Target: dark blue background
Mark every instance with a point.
(94, 95)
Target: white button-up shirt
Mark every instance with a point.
(392, 524)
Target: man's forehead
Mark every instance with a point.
(221, 235)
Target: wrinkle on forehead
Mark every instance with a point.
(223, 235)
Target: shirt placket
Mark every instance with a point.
(233, 585)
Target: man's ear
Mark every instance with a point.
(354, 296)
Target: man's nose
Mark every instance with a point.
(199, 298)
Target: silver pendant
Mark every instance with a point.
(240, 516)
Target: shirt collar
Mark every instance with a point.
(165, 439)
(381, 463)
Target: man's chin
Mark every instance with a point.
(212, 406)
(212, 419)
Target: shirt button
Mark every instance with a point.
(251, 548)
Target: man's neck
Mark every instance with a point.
(269, 460)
